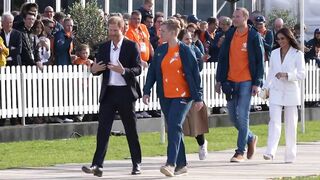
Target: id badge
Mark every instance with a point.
(143, 47)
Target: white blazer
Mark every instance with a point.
(285, 92)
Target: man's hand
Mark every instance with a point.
(116, 68)
(96, 67)
(205, 57)
(144, 64)
(146, 99)
(255, 90)
(198, 105)
(217, 87)
(40, 65)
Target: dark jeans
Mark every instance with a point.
(175, 111)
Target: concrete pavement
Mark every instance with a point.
(216, 166)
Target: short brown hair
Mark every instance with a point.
(82, 47)
(136, 12)
(148, 2)
(116, 20)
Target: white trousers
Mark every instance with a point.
(274, 132)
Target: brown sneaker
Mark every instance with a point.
(237, 158)
(252, 147)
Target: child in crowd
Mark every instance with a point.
(4, 52)
(83, 52)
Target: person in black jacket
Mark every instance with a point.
(118, 60)
(29, 54)
(146, 10)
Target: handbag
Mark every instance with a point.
(264, 93)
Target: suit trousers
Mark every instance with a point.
(117, 98)
(274, 131)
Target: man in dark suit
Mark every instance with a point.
(118, 61)
(12, 40)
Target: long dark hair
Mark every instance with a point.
(289, 35)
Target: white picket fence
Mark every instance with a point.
(67, 90)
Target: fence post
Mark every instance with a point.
(23, 95)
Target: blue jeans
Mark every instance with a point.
(238, 110)
(175, 111)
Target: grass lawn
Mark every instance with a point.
(80, 150)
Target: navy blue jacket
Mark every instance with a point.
(268, 43)
(190, 67)
(61, 48)
(255, 48)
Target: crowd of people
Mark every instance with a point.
(173, 50)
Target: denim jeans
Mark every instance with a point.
(238, 110)
(175, 111)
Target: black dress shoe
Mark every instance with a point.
(95, 170)
(136, 169)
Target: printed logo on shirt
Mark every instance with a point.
(244, 47)
(175, 57)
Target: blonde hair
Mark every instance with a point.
(172, 25)
(244, 11)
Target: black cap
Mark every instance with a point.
(193, 19)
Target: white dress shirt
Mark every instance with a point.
(115, 79)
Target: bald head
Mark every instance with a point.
(49, 12)
(278, 24)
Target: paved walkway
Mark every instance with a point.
(215, 167)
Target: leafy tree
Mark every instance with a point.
(90, 24)
(288, 19)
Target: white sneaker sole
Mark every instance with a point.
(166, 172)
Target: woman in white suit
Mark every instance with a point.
(286, 69)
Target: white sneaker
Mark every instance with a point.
(181, 171)
(203, 150)
(268, 156)
(167, 170)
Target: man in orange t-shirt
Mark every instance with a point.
(139, 33)
(240, 72)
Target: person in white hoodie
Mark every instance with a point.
(286, 69)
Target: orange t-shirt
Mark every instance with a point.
(238, 58)
(80, 61)
(203, 37)
(141, 36)
(174, 82)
